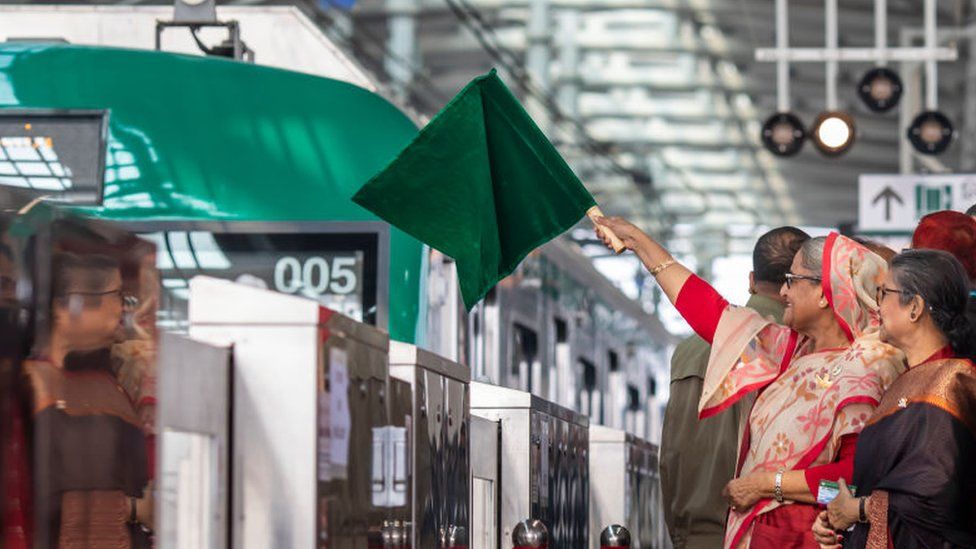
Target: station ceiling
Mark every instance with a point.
(657, 103)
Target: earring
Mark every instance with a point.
(823, 303)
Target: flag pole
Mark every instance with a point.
(615, 242)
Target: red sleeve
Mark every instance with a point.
(701, 306)
(843, 467)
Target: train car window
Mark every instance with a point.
(340, 270)
(525, 358)
(651, 386)
(563, 381)
(589, 403)
(614, 361)
(56, 154)
(562, 330)
(633, 398)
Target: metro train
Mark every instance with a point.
(245, 173)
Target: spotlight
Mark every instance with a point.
(833, 132)
(783, 134)
(880, 89)
(931, 132)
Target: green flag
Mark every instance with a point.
(480, 183)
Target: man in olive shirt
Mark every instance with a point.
(698, 457)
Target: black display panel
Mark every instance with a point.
(339, 269)
(59, 154)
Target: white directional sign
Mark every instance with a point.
(897, 202)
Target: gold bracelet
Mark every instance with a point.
(659, 268)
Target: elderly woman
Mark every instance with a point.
(915, 465)
(818, 378)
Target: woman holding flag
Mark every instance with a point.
(818, 377)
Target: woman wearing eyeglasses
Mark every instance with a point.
(90, 468)
(818, 377)
(915, 466)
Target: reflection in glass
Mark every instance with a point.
(77, 413)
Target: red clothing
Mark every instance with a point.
(842, 467)
(701, 306)
(785, 527)
(941, 354)
(16, 532)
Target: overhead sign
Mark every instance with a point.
(896, 203)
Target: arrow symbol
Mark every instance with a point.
(887, 194)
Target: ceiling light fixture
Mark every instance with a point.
(783, 134)
(833, 132)
(931, 132)
(880, 89)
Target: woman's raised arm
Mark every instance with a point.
(694, 298)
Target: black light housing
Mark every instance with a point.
(783, 134)
(833, 132)
(880, 89)
(931, 132)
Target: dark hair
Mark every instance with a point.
(878, 248)
(86, 273)
(941, 280)
(971, 210)
(774, 253)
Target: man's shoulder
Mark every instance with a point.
(690, 358)
(692, 343)
(767, 307)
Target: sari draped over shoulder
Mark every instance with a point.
(808, 400)
(917, 460)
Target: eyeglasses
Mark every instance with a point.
(94, 299)
(883, 291)
(790, 277)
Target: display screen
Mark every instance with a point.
(337, 269)
(57, 154)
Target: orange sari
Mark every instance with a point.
(808, 400)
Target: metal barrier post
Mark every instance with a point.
(530, 534)
(614, 535)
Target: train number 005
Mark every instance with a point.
(315, 276)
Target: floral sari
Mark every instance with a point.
(808, 400)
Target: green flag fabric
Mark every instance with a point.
(480, 183)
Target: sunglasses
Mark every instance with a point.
(790, 277)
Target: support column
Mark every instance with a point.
(537, 59)
(402, 25)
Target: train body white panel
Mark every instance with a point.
(281, 36)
